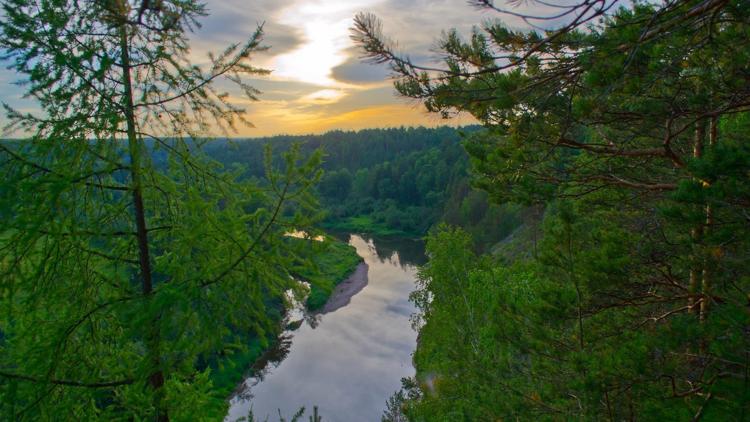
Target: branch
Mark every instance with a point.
(256, 241)
(41, 168)
(637, 185)
(648, 152)
(70, 383)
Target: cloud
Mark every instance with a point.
(417, 25)
(354, 71)
(324, 96)
(13, 95)
(319, 82)
(232, 21)
(325, 24)
(353, 99)
(275, 89)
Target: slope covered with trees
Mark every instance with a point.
(629, 125)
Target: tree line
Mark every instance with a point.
(405, 179)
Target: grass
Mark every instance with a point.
(330, 267)
(365, 224)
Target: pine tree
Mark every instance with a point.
(627, 124)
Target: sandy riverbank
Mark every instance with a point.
(343, 292)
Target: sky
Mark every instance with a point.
(318, 81)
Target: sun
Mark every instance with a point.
(325, 25)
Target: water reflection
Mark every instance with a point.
(350, 360)
(402, 252)
(270, 360)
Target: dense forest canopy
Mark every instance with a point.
(628, 124)
(397, 181)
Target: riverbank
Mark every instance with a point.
(342, 294)
(367, 224)
(328, 268)
(230, 370)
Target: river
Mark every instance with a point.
(347, 361)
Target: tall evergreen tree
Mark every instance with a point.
(127, 256)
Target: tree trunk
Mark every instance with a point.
(152, 337)
(706, 285)
(696, 233)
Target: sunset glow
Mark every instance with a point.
(325, 25)
(318, 81)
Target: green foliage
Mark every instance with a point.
(129, 259)
(399, 178)
(232, 368)
(329, 266)
(391, 182)
(547, 338)
(628, 125)
(364, 224)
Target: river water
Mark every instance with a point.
(350, 360)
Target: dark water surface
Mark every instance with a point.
(350, 361)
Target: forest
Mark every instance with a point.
(587, 237)
(397, 182)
